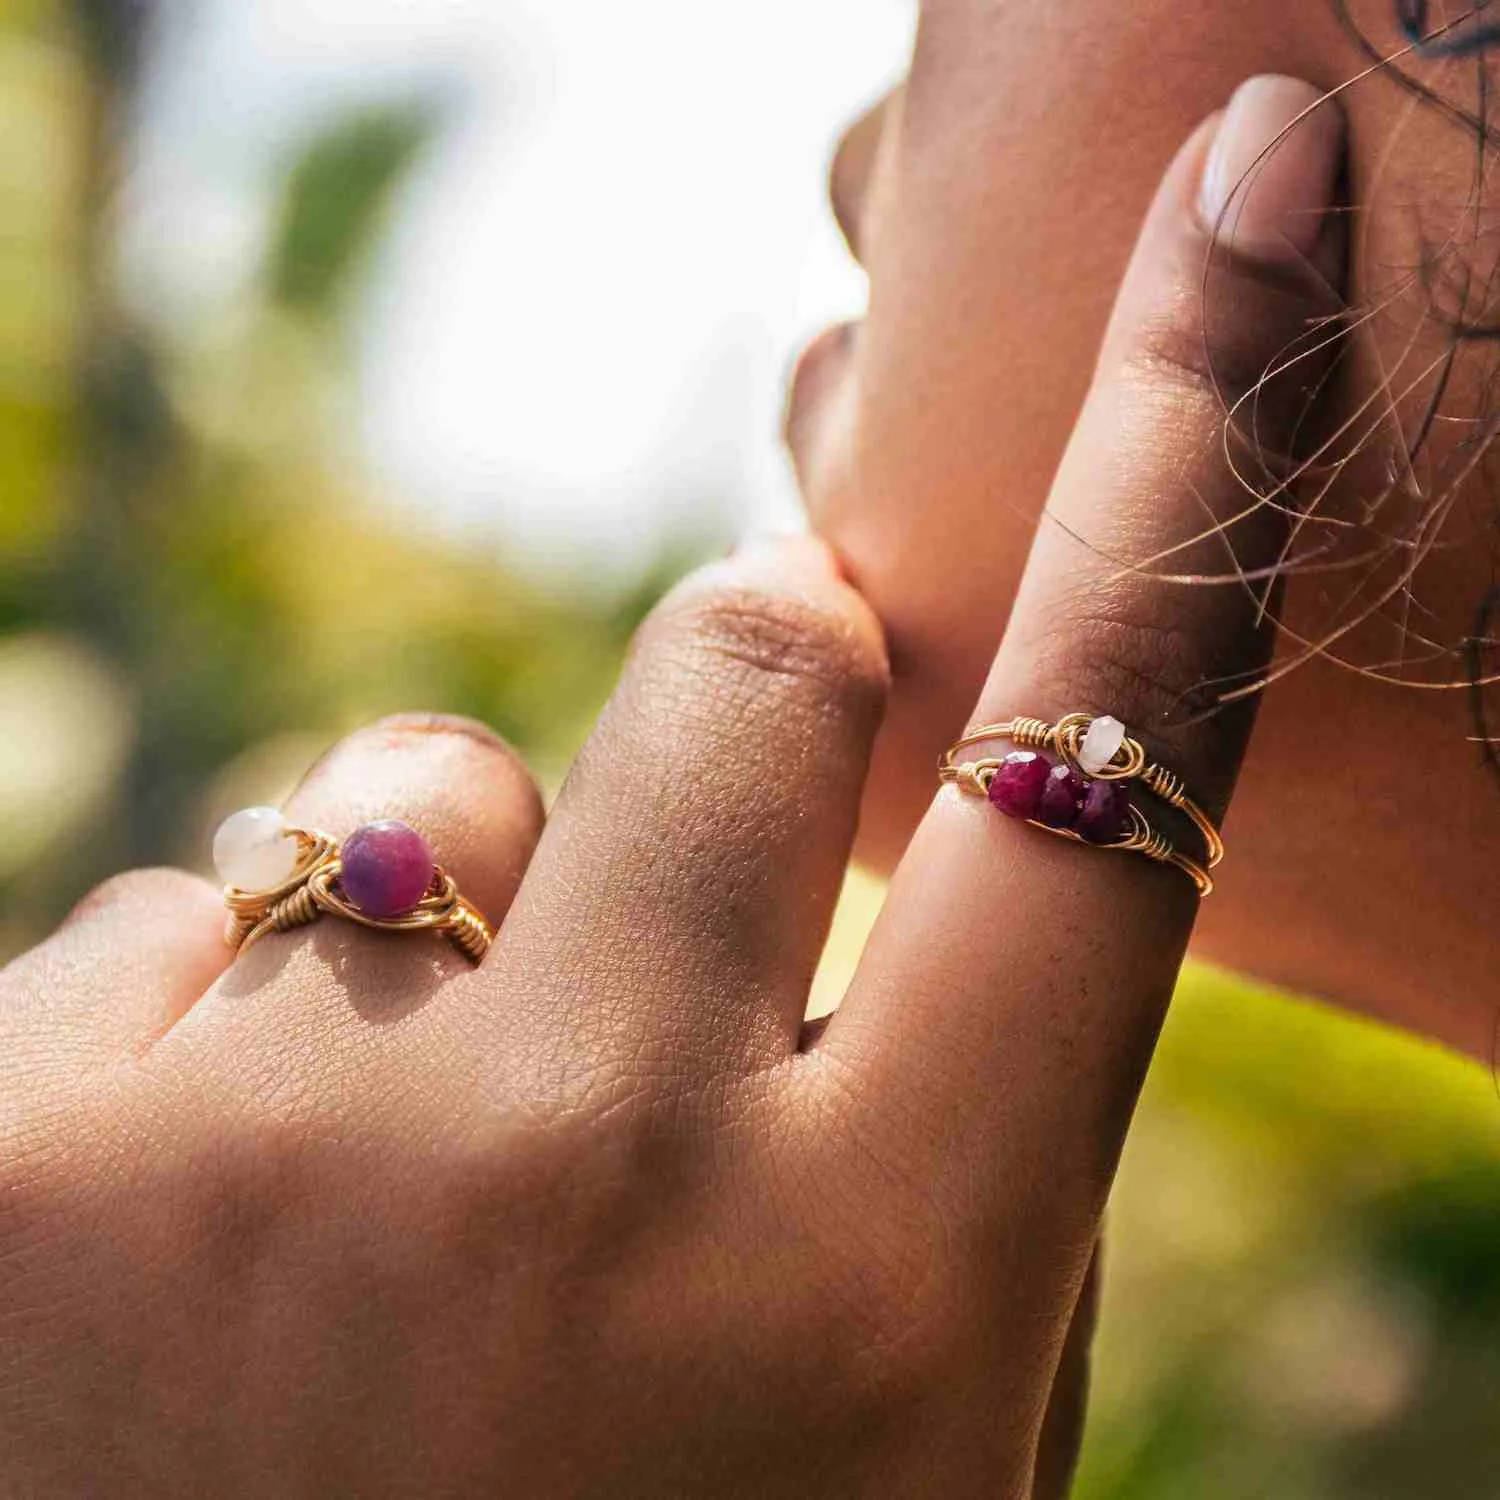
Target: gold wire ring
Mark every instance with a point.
(442, 911)
(1064, 740)
(314, 890)
(249, 910)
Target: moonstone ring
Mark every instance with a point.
(278, 878)
(1073, 779)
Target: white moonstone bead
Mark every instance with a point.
(253, 850)
(1100, 745)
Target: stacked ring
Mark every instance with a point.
(278, 878)
(1072, 779)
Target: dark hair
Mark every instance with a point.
(1400, 523)
(1464, 37)
(1471, 36)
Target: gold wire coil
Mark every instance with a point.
(249, 909)
(314, 891)
(1130, 763)
(1169, 787)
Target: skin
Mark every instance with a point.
(994, 199)
(347, 1217)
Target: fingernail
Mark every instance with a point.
(1271, 173)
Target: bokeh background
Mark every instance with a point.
(359, 355)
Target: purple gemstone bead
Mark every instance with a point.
(1062, 798)
(387, 869)
(1105, 818)
(1018, 785)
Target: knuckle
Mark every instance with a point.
(1109, 652)
(1170, 353)
(1252, 344)
(457, 725)
(779, 642)
(1140, 655)
(470, 738)
(476, 733)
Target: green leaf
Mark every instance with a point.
(336, 200)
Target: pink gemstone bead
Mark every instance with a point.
(1018, 785)
(1062, 798)
(387, 869)
(1105, 818)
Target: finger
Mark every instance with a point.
(820, 402)
(681, 895)
(124, 967)
(473, 801)
(1062, 1429)
(819, 406)
(853, 172)
(1016, 982)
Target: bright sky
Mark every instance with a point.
(586, 308)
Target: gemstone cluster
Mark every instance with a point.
(387, 867)
(279, 878)
(1078, 778)
(1035, 789)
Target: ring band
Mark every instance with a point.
(279, 878)
(1071, 779)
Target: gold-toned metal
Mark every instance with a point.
(1168, 786)
(314, 891)
(249, 909)
(1131, 763)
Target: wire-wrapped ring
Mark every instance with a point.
(1071, 744)
(395, 886)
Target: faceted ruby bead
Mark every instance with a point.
(1062, 798)
(1105, 818)
(387, 869)
(1019, 783)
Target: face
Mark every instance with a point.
(994, 200)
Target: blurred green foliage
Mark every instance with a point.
(197, 591)
(182, 516)
(336, 196)
(1330, 1327)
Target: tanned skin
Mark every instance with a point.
(994, 199)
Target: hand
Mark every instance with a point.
(596, 1218)
(993, 200)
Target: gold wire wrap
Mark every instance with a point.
(1131, 763)
(1169, 786)
(249, 909)
(314, 891)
